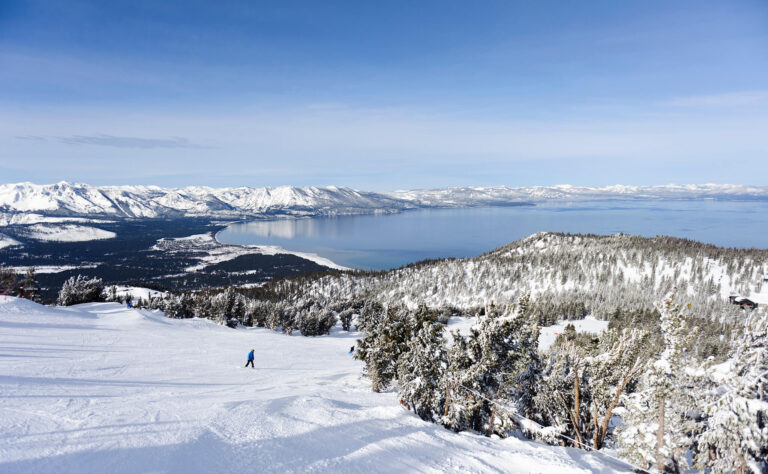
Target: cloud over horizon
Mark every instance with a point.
(117, 142)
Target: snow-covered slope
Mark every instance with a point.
(67, 199)
(99, 388)
(6, 241)
(66, 233)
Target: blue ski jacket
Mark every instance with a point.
(250, 355)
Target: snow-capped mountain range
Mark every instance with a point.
(501, 195)
(70, 199)
(67, 199)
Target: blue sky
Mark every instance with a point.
(384, 95)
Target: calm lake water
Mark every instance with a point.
(388, 241)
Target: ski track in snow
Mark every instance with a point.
(101, 388)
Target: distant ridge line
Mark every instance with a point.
(140, 201)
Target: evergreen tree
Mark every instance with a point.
(529, 369)
(657, 427)
(80, 289)
(496, 356)
(612, 373)
(735, 438)
(382, 346)
(421, 374)
(346, 319)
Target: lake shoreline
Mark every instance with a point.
(381, 242)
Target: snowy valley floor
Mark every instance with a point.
(99, 388)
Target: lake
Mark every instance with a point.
(386, 241)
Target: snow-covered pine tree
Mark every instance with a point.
(172, 307)
(611, 373)
(81, 289)
(735, 437)
(561, 394)
(460, 405)
(371, 313)
(529, 367)
(497, 352)
(421, 372)
(383, 344)
(657, 427)
(345, 317)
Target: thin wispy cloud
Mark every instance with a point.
(729, 99)
(374, 97)
(118, 142)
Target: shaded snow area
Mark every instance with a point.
(589, 324)
(547, 335)
(66, 233)
(101, 388)
(6, 241)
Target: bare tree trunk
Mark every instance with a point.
(597, 435)
(577, 432)
(490, 423)
(576, 397)
(660, 438)
(447, 398)
(603, 429)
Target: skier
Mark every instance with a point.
(352, 350)
(250, 359)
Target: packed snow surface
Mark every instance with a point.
(101, 388)
(136, 292)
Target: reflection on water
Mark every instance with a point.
(387, 241)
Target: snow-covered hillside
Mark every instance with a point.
(100, 388)
(65, 233)
(603, 272)
(6, 241)
(67, 199)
